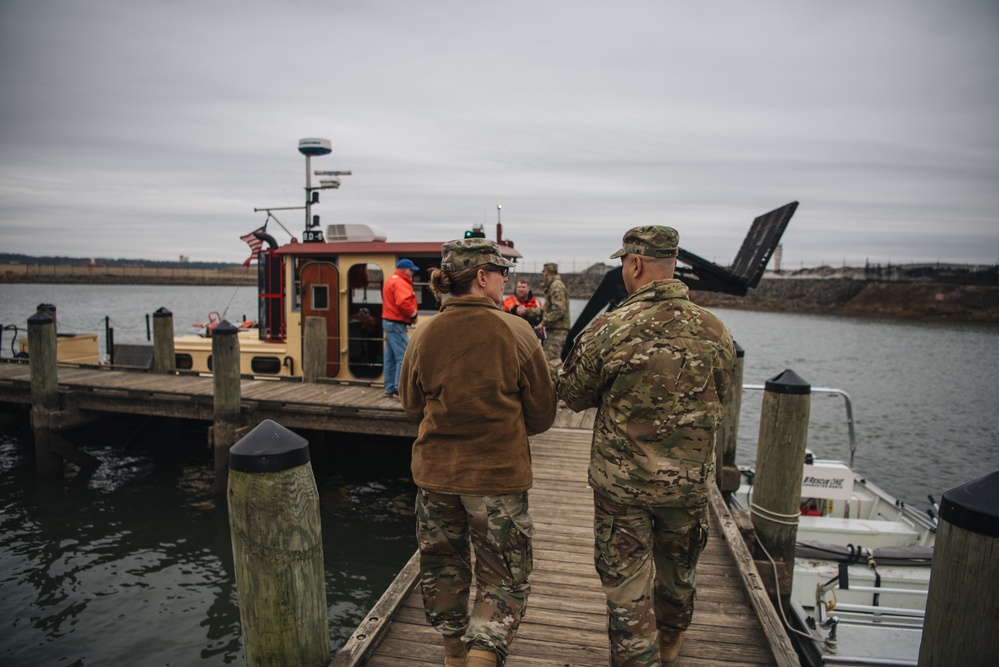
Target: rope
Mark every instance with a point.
(774, 517)
(780, 604)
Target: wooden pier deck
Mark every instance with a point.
(294, 404)
(321, 406)
(734, 622)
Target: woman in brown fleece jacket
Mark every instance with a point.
(476, 381)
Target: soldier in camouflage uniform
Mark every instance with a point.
(554, 315)
(657, 368)
(476, 381)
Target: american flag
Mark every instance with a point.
(254, 244)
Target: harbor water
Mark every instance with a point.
(134, 563)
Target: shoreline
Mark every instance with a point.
(923, 300)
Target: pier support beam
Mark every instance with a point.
(725, 469)
(314, 356)
(164, 356)
(277, 549)
(780, 457)
(227, 399)
(44, 391)
(961, 626)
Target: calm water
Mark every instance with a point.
(135, 561)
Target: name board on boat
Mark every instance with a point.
(827, 480)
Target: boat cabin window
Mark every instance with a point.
(320, 297)
(183, 361)
(364, 326)
(265, 365)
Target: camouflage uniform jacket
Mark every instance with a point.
(555, 310)
(656, 368)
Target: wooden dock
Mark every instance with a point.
(734, 623)
(320, 406)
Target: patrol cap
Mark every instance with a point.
(551, 267)
(468, 253)
(649, 241)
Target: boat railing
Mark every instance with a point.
(833, 392)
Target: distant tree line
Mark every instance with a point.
(12, 258)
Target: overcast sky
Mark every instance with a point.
(153, 129)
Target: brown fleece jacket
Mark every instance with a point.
(476, 381)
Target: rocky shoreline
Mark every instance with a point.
(838, 296)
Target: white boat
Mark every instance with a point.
(862, 565)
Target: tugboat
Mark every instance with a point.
(337, 277)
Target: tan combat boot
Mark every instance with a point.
(669, 646)
(479, 658)
(455, 652)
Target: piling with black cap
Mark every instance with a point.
(44, 390)
(725, 445)
(227, 398)
(277, 549)
(50, 310)
(780, 457)
(961, 626)
(164, 356)
(314, 349)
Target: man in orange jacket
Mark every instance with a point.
(520, 301)
(398, 312)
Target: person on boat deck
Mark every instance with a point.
(471, 460)
(398, 312)
(521, 301)
(554, 315)
(656, 368)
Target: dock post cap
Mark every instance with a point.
(788, 382)
(40, 318)
(269, 447)
(974, 506)
(162, 312)
(739, 351)
(225, 328)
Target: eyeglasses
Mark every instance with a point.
(502, 270)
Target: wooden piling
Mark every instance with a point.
(314, 349)
(780, 457)
(50, 310)
(725, 445)
(226, 398)
(277, 549)
(164, 356)
(44, 392)
(961, 626)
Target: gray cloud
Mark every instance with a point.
(153, 131)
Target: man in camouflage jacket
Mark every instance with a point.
(554, 315)
(657, 369)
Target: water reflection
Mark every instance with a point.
(134, 560)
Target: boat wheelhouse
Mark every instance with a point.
(337, 281)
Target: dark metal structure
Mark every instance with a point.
(698, 273)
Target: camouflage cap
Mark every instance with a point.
(469, 253)
(650, 241)
(550, 267)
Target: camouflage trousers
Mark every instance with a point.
(553, 348)
(646, 557)
(499, 530)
